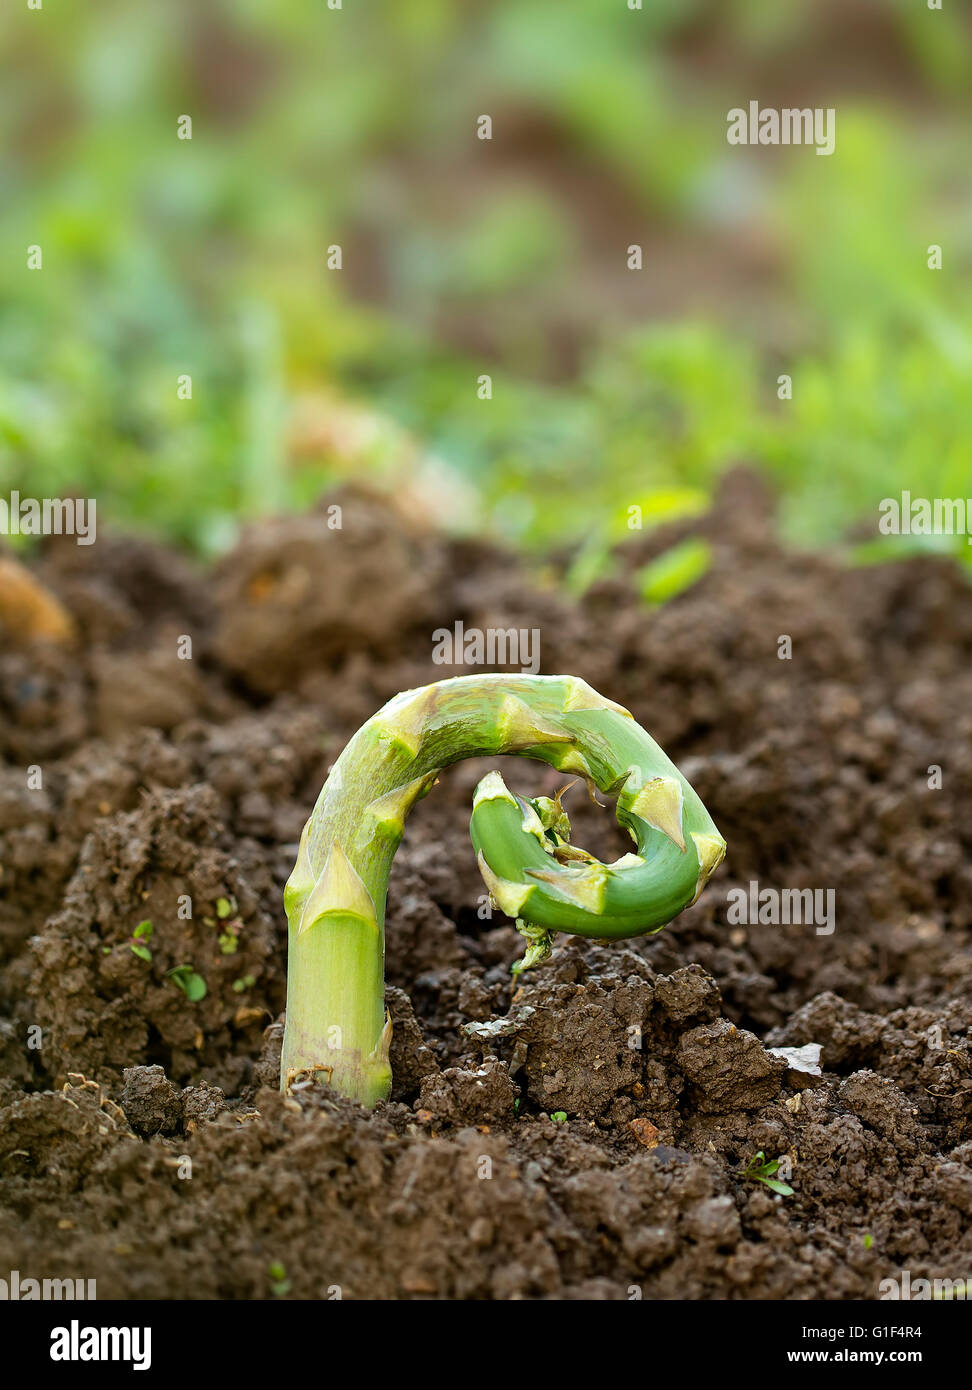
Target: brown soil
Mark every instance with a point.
(164, 778)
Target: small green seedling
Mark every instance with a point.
(246, 982)
(761, 1169)
(192, 985)
(675, 570)
(279, 1283)
(140, 935)
(337, 1029)
(229, 937)
(559, 1117)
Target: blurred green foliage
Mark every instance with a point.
(675, 570)
(610, 387)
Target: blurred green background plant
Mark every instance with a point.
(461, 257)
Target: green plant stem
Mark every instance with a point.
(335, 898)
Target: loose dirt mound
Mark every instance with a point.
(584, 1135)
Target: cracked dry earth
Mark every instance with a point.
(583, 1135)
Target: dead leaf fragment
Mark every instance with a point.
(645, 1132)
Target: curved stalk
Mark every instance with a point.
(335, 897)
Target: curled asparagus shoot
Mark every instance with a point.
(335, 898)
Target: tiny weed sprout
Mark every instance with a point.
(192, 985)
(229, 941)
(335, 898)
(139, 936)
(761, 1169)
